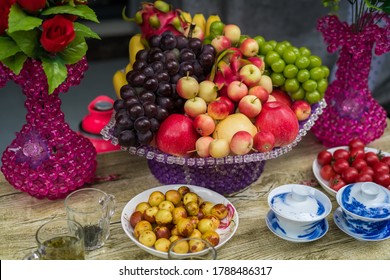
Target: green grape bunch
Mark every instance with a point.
(295, 70)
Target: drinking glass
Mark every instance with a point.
(59, 239)
(93, 209)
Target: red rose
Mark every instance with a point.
(32, 5)
(5, 6)
(57, 33)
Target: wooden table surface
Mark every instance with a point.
(21, 214)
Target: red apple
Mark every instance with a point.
(260, 92)
(204, 124)
(187, 87)
(177, 135)
(249, 47)
(302, 109)
(250, 106)
(241, 143)
(263, 141)
(282, 97)
(218, 109)
(237, 90)
(280, 120)
(221, 43)
(229, 103)
(250, 74)
(232, 32)
(195, 106)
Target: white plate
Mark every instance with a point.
(226, 230)
(324, 183)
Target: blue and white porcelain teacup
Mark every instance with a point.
(299, 210)
(365, 207)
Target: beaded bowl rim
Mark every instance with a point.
(153, 153)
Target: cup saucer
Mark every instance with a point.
(318, 231)
(341, 223)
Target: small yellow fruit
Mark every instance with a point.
(147, 238)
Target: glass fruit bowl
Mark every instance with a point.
(225, 175)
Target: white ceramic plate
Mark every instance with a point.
(317, 167)
(226, 230)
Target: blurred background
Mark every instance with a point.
(279, 20)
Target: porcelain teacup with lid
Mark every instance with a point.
(298, 212)
(364, 210)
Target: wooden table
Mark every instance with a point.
(22, 214)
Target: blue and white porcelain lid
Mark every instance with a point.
(365, 199)
(299, 203)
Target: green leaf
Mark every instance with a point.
(8, 47)
(82, 11)
(15, 63)
(18, 20)
(27, 41)
(55, 70)
(85, 31)
(88, 13)
(74, 51)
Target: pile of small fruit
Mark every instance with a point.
(354, 164)
(180, 213)
(197, 87)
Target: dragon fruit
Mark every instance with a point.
(158, 17)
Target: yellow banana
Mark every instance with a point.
(135, 45)
(129, 67)
(119, 80)
(209, 21)
(186, 17)
(200, 21)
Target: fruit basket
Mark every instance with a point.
(225, 175)
(208, 106)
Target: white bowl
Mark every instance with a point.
(317, 167)
(226, 230)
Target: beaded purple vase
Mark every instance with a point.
(351, 111)
(47, 159)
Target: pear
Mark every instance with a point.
(233, 123)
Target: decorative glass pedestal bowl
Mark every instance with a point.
(226, 175)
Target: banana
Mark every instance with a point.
(119, 80)
(209, 21)
(135, 45)
(200, 21)
(129, 67)
(186, 16)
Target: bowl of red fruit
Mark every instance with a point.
(339, 166)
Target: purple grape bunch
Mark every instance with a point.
(150, 95)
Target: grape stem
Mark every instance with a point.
(192, 27)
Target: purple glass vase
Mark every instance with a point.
(351, 111)
(47, 159)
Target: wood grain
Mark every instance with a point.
(21, 214)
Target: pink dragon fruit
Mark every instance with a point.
(158, 17)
